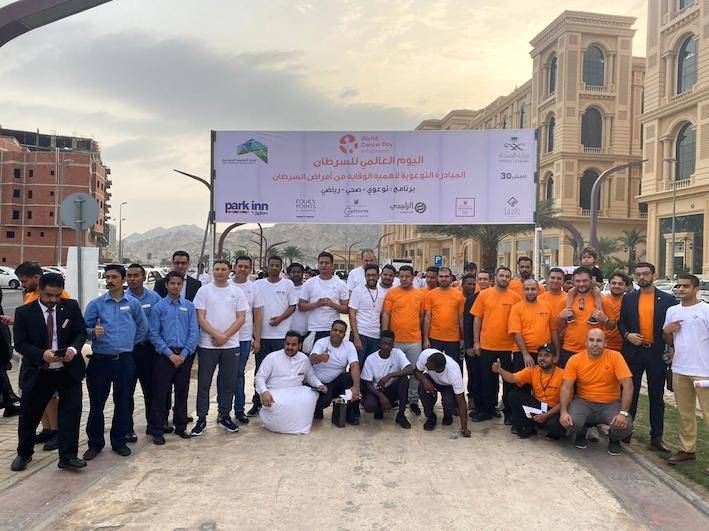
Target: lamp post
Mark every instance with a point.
(120, 231)
(672, 160)
(210, 217)
(379, 244)
(60, 195)
(349, 256)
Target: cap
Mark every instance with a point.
(547, 347)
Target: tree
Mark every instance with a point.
(631, 239)
(292, 253)
(605, 248)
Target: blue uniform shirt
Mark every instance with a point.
(123, 322)
(147, 300)
(174, 324)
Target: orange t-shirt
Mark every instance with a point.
(494, 307)
(557, 302)
(597, 380)
(517, 286)
(646, 315)
(534, 320)
(546, 388)
(405, 308)
(34, 295)
(576, 332)
(445, 307)
(614, 340)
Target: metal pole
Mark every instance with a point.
(204, 240)
(537, 227)
(79, 232)
(349, 256)
(379, 245)
(212, 212)
(674, 227)
(57, 201)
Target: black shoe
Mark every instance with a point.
(184, 434)
(496, 414)
(402, 421)
(481, 416)
(378, 415)
(553, 436)
(158, 439)
(592, 320)
(570, 319)
(253, 412)
(123, 451)
(131, 437)
(190, 419)
(352, 420)
(72, 464)
(524, 434)
(43, 436)
(514, 430)
(508, 420)
(52, 444)
(91, 453)
(199, 428)
(455, 412)
(447, 420)
(614, 447)
(168, 428)
(11, 410)
(581, 442)
(430, 423)
(415, 409)
(228, 424)
(19, 463)
(318, 415)
(241, 417)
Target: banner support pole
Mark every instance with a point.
(537, 227)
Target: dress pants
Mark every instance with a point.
(396, 391)
(649, 361)
(686, 396)
(166, 375)
(144, 358)
(35, 400)
(267, 346)
(448, 399)
(472, 365)
(102, 373)
(490, 381)
(450, 348)
(334, 389)
(518, 398)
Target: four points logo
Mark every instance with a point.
(255, 147)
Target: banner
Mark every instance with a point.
(423, 177)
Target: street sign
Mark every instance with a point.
(438, 261)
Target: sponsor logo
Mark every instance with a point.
(246, 207)
(512, 211)
(356, 212)
(512, 201)
(305, 208)
(348, 144)
(514, 152)
(255, 147)
(420, 207)
(409, 207)
(465, 207)
(514, 144)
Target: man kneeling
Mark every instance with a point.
(439, 373)
(288, 405)
(545, 379)
(385, 374)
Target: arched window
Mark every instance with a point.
(594, 63)
(587, 179)
(685, 152)
(551, 126)
(685, 3)
(552, 74)
(687, 65)
(523, 116)
(592, 128)
(549, 192)
(505, 122)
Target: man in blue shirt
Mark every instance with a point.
(114, 322)
(143, 352)
(174, 331)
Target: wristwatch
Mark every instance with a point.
(624, 413)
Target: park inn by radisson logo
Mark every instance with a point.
(253, 208)
(255, 147)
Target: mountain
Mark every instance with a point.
(161, 231)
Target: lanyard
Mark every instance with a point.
(541, 383)
(374, 299)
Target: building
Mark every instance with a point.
(585, 99)
(37, 171)
(676, 131)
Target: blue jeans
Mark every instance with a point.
(240, 380)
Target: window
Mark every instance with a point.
(31, 173)
(51, 172)
(552, 75)
(687, 65)
(685, 152)
(51, 193)
(29, 233)
(594, 64)
(592, 128)
(51, 213)
(523, 116)
(41, 234)
(549, 195)
(29, 214)
(551, 126)
(587, 179)
(16, 194)
(685, 3)
(10, 234)
(505, 122)
(15, 214)
(29, 194)
(17, 173)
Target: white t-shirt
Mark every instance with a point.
(204, 278)
(368, 304)
(376, 367)
(315, 288)
(692, 341)
(299, 320)
(451, 374)
(340, 357)
(221, 306)
(355, 278)
(254, 300)
(276, 300)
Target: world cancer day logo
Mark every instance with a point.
(348, 144)
(255, 147)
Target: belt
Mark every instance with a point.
(646, 346)
(108, 356)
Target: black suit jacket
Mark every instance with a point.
(192, 286)
(30, 331)
(5, 341)
(629, 321)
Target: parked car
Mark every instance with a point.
(54, 269)
(8, 279)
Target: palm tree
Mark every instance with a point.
(605, 248)
(292, 252)
(631, 239)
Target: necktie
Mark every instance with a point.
(50, 327)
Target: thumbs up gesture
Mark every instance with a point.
(98, 329)
(496, 366)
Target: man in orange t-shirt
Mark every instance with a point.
(403, 314)
(492, 340)
(603, 392)
(618, 282)
(524, 268)
(545, 380)
(555, 295)
(443, 317)
(533, 324)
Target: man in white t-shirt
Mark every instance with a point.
(299, 321)
(221, 312)
(356, 277)
(439, 373)
(386, 376)
(279, 302)
(323, 297)
(366, 302)
(687, 328)
(330, 357)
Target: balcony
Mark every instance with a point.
(678, 185)
(669, 19)
(593, 150)
(586, 212)
(595, 89)
(682, 95)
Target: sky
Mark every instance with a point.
(149, 79)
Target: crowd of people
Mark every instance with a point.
(569, 358)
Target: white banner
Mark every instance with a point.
(423, 177)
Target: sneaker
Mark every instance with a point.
(402, 421)
(131, 437)
(592, 434)
(592, 320)
(158, 439)
(580, 441)
(614, 447)
(430, 423)
(447, 420)
(508, 420)
(184, 434)
(199, 427)
(514, 430)
(91, 453)
(229, 425)
(378, 415)
(241, 417)
(415, 409)
(123, 451)
(253, 412)
(570, 319)
(168, 428)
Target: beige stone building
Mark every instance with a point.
(676, 127)
(585, 98)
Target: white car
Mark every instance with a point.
(8, 278)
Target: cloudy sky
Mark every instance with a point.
(150, 79)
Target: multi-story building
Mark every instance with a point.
(676, 131)
(37, 172)
(585, 99)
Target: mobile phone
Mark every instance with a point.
(60, 353)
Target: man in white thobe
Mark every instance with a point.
(288, 405)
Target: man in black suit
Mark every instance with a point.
(642, 316)
(49, 333)
(180, 263)
(7, 395)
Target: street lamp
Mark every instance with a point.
(379, 244)
(60, 196)
(210, 221)
(349, 255)
(672, 160)
(120, 231)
